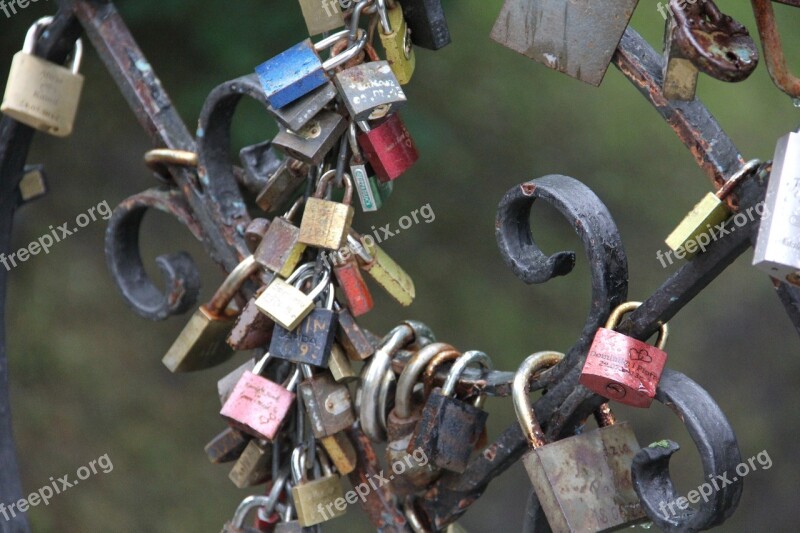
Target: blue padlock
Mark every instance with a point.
(299, 70)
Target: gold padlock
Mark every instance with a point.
(396, 39)
(41, 94)
(340, 367)
(279, 250)
(325, 223)
(288, 305)
(253, 466)
(384, 270)
(311, 496)
(202, 344)
(341, 452)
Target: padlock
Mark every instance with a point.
(388, 147)
(310, 496)
(396, 39)
(226, 385)
(202, 344)
(370, 90)
(287, 305)
(680, 74)
(583, 482)
(311, 342)
(327, 403)
(352, 284)
(622, 368)
(321, 15)
(258, 406)
(253, 466)
(227, 446)
(355, 342)
(253, 329)
(325, 223)
(428, 25)
(777, 250)
(296, 115)
(707, 214)
(340, 367)
(578, 37)
(279, 250)
(341, 451)
(41, 94)
(403, 419)
(312, 142)
(450, 428)
(384, 270)
(299, 70)
(371, 192)
(282, 185)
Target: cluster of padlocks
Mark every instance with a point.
(291, 411)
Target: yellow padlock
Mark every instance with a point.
(396, 39)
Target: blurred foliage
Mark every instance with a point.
(86, 372)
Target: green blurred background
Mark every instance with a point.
(86, 373)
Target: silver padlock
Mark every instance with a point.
(297, 114)
(370, 90)
(313, 141)
(41, 94)
(777, 250)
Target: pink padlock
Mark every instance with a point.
(622, 368)
(258, 406)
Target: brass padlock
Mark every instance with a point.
(253, 466)
(341, 452)
(280, 250)
(384, 270)
(583, 482)
(202, 343)
(396, 39)
(282, 184)
(711, 211)
(340, 367)
(226, 446)
(680, 74)
(325, 223)
(287, 305)
(41, 94)
(310, 496)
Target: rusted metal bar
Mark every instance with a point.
(773, 48)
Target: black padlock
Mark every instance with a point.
(428, 25)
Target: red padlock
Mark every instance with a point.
(388, 147)
(622, 368)
(356, 292)
(258, 406)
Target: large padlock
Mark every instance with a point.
(41, 94)
(288, 305)
(299, 70)
(312, 341)
(325, 223)
(370, 90)
(583, 482)
(327, 403)
(450, 428)
(353, 339)
(253, 329)
(296, 115)
(622, 368)
(711, 211)
(777, 250)
(253, 466)
(384, 270)
(395, 37)
(202, 343)
(388, 147)
(428, 25)
(578, 37)
(311, 496)
(258, 406)
(226, 446)
(279, 250)
(283, 185)
(312, 142)
(321, 15)
(352, 284)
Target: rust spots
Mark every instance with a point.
(528, 189)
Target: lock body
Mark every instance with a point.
(389, 148)
(300, 112)
(280, 251)
(309, 495)
(353, 286)
(283, 185)
(325, 223)
(703, 217)
(370, 90)
(253, 466)
(328, 405)
(253, 329)
(341, 451)
(257, 406)
(314, 140)
(398, 46)
(353, 339)
(227, 446)
(310, 342)
(291, 74)
(427, 22)
(391, 276)
(201, 344)
(284, 304)
(321, 15)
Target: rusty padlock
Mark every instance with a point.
(622, 368)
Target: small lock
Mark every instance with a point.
(283, 185)
(322, 15)
(370, 90)
(352, 284)
(288, 305)
(396, 39)
(340, 367)
(311, 342)
(450, 428)
(311, 496)
(341, 451)
(279, 250)
(253, 466)
(583, 482)
(427, 23)
(385, 271)
(253, 329)
(296, 115)
(328, 403)
(227, 446)
(257, 406)
(325, 223)
(299, 70)
(622, 368)
(388, 147)
(371, 192)
(777, 250)
(707, 214)
(312, 142)
(201, 344)
(680, 74)
(353, 339)
(41, 94)
(33, 184)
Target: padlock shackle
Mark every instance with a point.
(747, 170)
(355, 18)
(219, 302)
(411, 374)
(319, 192)
(298, 474)
(259, 367)
(308, 270)
(433, 367)
(342, 57)
(29, 44)
(292, 212)
(522, 403)
(383, 15)
(292, 381)
(616, 317)
(469, 358)
(267, 502)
